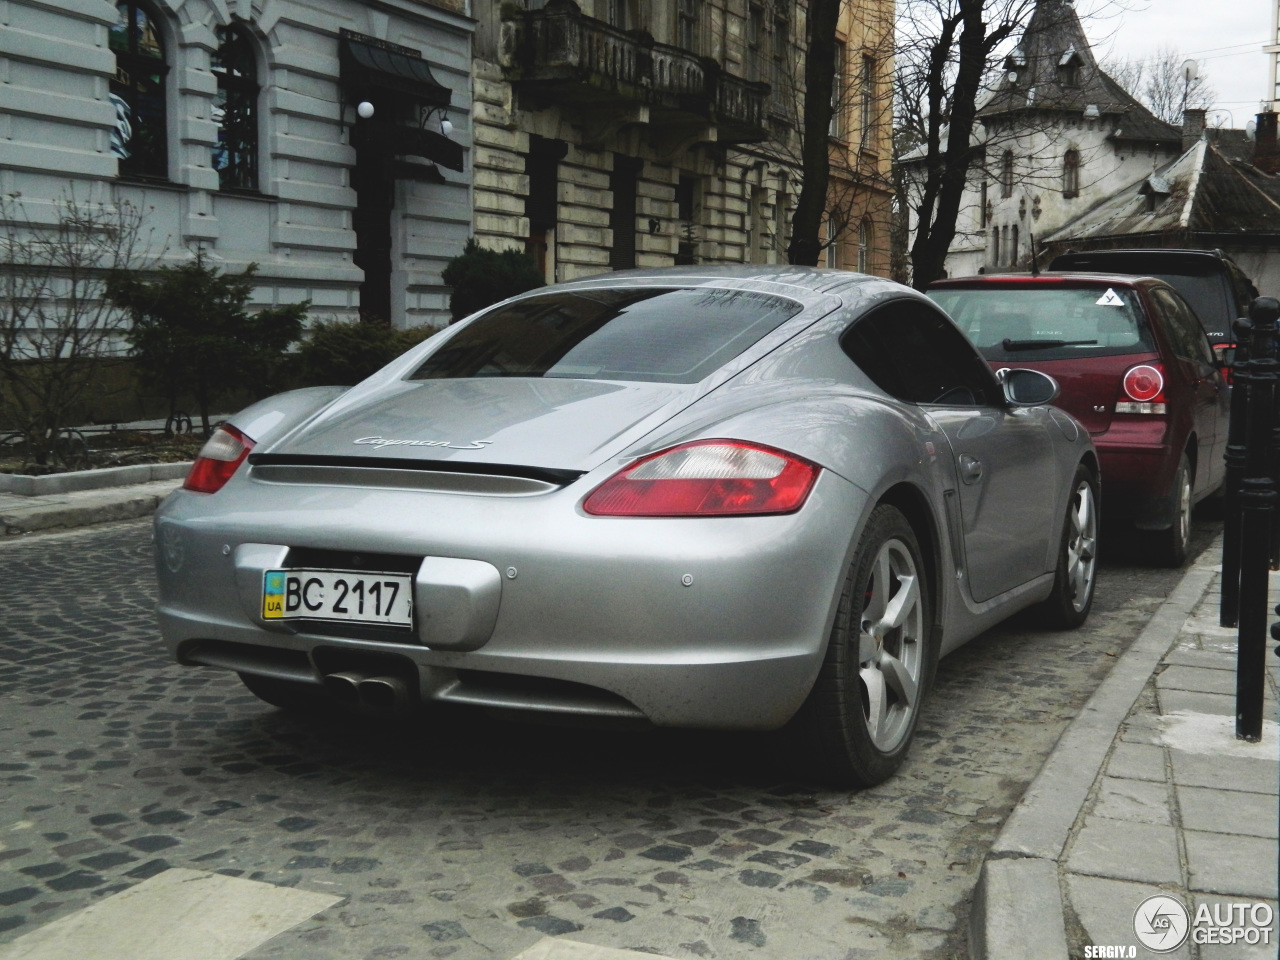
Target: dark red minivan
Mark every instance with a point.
(1135, 368)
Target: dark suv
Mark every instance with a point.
(1209, 280)
(1135, 369)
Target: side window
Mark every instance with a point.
(913, 352)
(1186, 335)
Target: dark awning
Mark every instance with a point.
(369, 64)
(395, 140)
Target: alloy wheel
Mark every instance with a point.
(891, 645)
(1082, 545)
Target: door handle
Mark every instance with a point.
(970, 469)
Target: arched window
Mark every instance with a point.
(833, 244)
(864, 245)
(1006, 174)
(1013, 247)
(1071, 174)
(235, 111)
(138, 92)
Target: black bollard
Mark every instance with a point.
(1229, 603)
(1257, 504)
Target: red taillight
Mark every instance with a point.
(1145, 383)
(218, 459)
(1144, 387)
(706, 478)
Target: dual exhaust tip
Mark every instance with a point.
(381, 694)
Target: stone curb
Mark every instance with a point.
(56, 483)
(85, 508)
(1017, 905)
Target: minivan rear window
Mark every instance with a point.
(1048, 323)
(650, 334)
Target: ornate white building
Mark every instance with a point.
(234, 124)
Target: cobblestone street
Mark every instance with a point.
(461, 835)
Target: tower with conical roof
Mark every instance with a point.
(1058, 135)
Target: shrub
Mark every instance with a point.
(191, 329)
(481, 277)
(345, 352)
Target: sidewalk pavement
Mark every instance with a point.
(1148, 793)
(31, 504)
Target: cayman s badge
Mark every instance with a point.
(445, 444)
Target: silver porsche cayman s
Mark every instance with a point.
(737, 498)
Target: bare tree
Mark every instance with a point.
(56, 328)
(837, 107)
(953, 62)
(947, 51)
(1160, 85)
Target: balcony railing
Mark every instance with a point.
(561, 56)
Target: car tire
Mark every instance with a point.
(1170, 547)
(861, 714)
(290, 695)
(1076, 575)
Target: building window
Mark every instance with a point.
(781, 57)
(688, 204)
(995, 246)
(831, 253)
(138, 93)
(235, 111)
(687, 26)
(1071, 174)
(1013, 247)
(622, 215)
(836, 129)
(864, 246)
(1006, 174)
(984, 216)
(755, 42)
(868, 102)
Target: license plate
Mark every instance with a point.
(350, 596)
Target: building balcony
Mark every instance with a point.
(558, 56)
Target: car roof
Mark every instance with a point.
(1204, 259)
(1055, 279)
(788, 279)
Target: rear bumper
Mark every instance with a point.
(594, 616)
(1139, 476)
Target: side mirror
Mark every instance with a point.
(1028, 388)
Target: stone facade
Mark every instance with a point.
(62, 67)
(704, 192)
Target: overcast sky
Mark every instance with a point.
(1224, 36)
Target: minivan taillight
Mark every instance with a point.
(218, 459)
(1144, 387)
(706, 478)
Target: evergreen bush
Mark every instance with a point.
(342, 352)
(481, 277)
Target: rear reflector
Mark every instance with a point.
(707, 478)
(218, 459)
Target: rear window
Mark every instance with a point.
(649, 334)
(1048, 323)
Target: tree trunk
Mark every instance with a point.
(819, 70)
